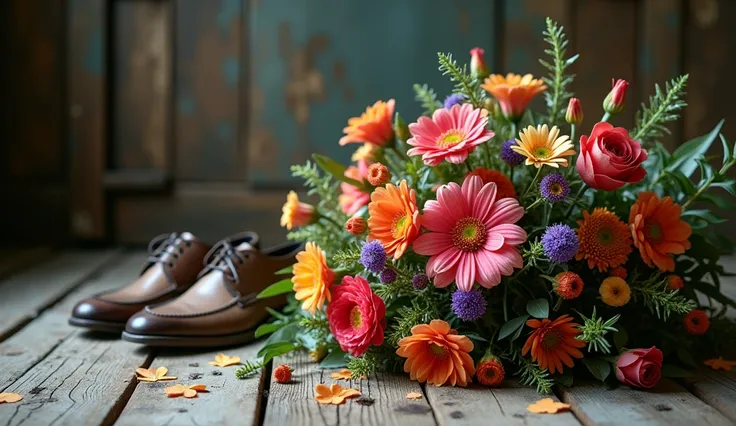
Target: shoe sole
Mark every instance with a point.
(190, 341)
(95, 325)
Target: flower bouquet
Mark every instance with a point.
(485, 237)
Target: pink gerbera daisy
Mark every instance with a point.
(450, 135)
(352, 198)
(473, 236)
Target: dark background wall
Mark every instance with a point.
(128, 118)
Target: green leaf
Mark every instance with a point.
(275, 289)
(620, 338)
(336, 359)
(673, 371)
(686, 357)
(336, 169)
(538, 308)
(565, 379)
(729, 185)
(686, 185)
(683, 159)
(287, 270)
(705, 215)
(598, 367)
(727, 150)
(268, 352)
(475, 336)
(511, 326)
(286, 333)
(267, 329)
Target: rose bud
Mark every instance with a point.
(574, 114)
(378, 174)
(356, 225)
(478, 67)
(609, 158)
(641, 368)
(401, 129)
(616, 98)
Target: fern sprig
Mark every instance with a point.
(248, 368)
(594, 330)
(465, 83)
(427, 97)
(656, 296)
(663, 108)
(531, 374)
(557, 95)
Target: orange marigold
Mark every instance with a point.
(675, 282)
(373, 126)
(658, 230)
(436, 354)
(696, 322)
(394, 218)
(569, 285)
(513, 92)
(553, 343)
(620, 272)
(490, 371)
(282, 374)
(378, 174)
(312, 278)
(504, 187)
(604, 239)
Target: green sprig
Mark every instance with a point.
(663, 108)
(248, 369)
(557, 95)
(656, 296)
(594, 331)
(465, 83)
(427, 97)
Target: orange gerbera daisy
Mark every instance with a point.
(374, 126)
(544, 146)
(296, 213)
(513, 92)
(553, 343)
(504, 187)
(658, 230)
(312, 278)
(394, 218)
(604, 239)
(436, 354)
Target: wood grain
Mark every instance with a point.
(294, 404)
(717, 389)
(229, 401)
(477, 404)
(667, 404)
(44, 285)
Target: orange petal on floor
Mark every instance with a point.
(720, 364)
(199, 388)
(190, 393)
(343, 374)
(547, 405)
(10, 397)
(414, 395)
(174, 391)
(222, 360)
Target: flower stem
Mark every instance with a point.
(583, 187)
(505, 295)
(467, 164)
(606, 117)
(531, 184)
(534, 204)
(331, 220)
(513, 129)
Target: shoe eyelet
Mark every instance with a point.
(171, 264)
(188, 243)
(181, 250)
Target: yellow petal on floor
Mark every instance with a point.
(414, 395)
(547, 405)
(10, 397)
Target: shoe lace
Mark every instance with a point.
(223, 257)
(164, 244)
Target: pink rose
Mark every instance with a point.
(609, 158)
(641, 368)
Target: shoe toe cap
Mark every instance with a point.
(100, 310)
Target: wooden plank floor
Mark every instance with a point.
(72, 377)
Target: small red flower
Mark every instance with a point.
(675, 282)
(490, 371)
(282, 374)
(356, 225)
(574, 113)
(569, 285)
(357, 317)
(616, 99)
(620, 272)
(378, 174)
(696, 322)
(478, 67)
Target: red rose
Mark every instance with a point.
(609, 158)
(356, 316)
(641, 368)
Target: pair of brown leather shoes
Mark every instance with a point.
(190, 294)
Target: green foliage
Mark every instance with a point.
(557, 96)
(664, 107)
(426, 96)
(534, 254)
(465, 83)
(317, 324)
(347, 258)
(594, 331)
(599, 368)
(656, 296)
(531, 375)
(423, 309)
(248, 368)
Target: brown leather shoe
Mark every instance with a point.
(173, 264)
(220, 309)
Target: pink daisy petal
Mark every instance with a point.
(465, 276)
(513, 234)
(432, 243)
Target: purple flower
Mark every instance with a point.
(420, 281)
(373, 256)
(468, 306)
(388, 276)
(560, 243)
(454, 99)
(509, 155)
(554, 187)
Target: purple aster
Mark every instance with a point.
(420, 281)
(373, 256)
(560, 243)
(388, 276)
(509, 155)
(454, 99)
(468, 306)
(554, 187)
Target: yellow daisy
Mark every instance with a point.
(312, 278)
(615, 292)
(544, 146)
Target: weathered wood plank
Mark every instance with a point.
(87, 79)
(142, 84)
(14, 260)
(229, 401)
(30, 345)
(477, 404)
(30, 292)
(294, 404)
(667, 404)
(85, 379)
(717, 389)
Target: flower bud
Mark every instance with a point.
(478, 67)
(616, 98)
(356, 225)
(378, 174)
(574, 114)
(490, 371)
(675, 282)
(401, 129)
